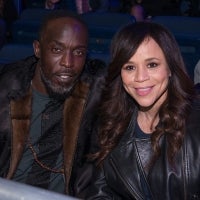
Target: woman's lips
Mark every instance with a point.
(143, 91)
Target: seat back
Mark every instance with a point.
(14, 52)
(25, 29)
(102, 27)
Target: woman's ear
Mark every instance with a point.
(36, 47)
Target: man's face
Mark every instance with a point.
(62, 53)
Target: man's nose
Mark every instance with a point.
(67, 59)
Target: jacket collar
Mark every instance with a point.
(21, 117)
(73, 112)
(123, 156)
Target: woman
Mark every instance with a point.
(149, 131)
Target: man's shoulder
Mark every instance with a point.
(18, 66)
(17, 75)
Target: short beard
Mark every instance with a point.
(56, 92)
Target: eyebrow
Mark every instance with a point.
(153, 58)
(146, 60)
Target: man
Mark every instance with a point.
(48, 107)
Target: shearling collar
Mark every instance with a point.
(21, 116)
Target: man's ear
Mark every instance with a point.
(36, 47)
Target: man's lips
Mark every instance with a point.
(64, 77)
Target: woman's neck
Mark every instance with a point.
(147, 121)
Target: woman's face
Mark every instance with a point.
(146, 75)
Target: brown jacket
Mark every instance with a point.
(78, 115)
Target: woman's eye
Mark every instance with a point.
(152, 65)
(129, 67)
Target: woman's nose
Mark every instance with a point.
(141, 74)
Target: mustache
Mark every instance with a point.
(67, 71)
(64, 73)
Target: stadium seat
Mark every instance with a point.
(102, 27)
(13, 52)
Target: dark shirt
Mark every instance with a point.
(144, 158)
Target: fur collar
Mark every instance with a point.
(73, 112)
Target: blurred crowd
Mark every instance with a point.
(141, 9)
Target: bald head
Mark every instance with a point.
(59, 15)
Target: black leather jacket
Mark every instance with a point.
(119, 177)
(78, 116)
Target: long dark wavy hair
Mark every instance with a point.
(117, 106)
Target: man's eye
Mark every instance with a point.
(56, 50)
(79, 52)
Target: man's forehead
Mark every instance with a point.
(65, 20)
(65, 24)
(65, 29)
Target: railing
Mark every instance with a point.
(10, 190)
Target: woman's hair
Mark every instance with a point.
(117, 106)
